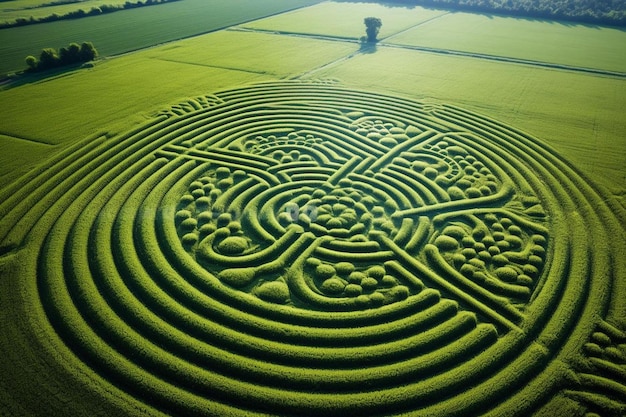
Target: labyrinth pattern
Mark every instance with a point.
(299, 248)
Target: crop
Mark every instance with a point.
(345, 21)
(177, 20)
(304, 248)
(535, 40)
(309, 247)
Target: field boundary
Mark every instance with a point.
(178, 61)
(521, 61)
(371, 48)
(120, 50)
(31, 140)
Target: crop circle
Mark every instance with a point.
(307, 249)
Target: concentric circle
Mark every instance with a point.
(305, 249)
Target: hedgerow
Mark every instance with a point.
(80, 13)
(584, 11)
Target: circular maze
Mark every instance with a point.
(295, 248)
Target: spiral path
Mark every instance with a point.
(299, 248)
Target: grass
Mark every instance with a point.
(345, 20)
(120, 92)
(308, 248)
(25, 8)
(18, 155)
(272, 55)
(129, 30)
(126, 312)
(537, 40)
(583, 123)
(49, 111)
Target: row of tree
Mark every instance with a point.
(606, 12)
(75, 14)
(51, 58)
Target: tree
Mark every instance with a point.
(372, 26)
(48, 59)
(87, 52)
(70, 55)
(31, 61)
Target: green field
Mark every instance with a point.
(120, 92)
(533, 40)
(346, 21)
(583, 123)
(275, 219)
(141, 28)
(18, 156)
(10, 11)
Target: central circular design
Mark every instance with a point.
(305, 249)
(362, 208)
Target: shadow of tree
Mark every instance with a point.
(29, 77)
(367, 47)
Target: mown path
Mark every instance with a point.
(300, 248)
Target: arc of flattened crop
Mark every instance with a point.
(252, 259)
(225, 157)
(313, 119)
(405, 146)
(497, 309)
(423, 190)
(275, 198)
(345, 169)
(232, 159)
(404, 195)
(240, 192)
(318, 152)
(501, 197)
(303, 287)
(256, 211)
(471, 213)
(298, 169)
(428, 190)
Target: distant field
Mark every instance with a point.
(122, 91)
(134, 29)
(346, 20)
(268, 54)
(10, 11)
(537, 40)
(584, 123)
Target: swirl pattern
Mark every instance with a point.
(305, 249)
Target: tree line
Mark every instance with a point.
(51, 58)
(76, 14)
(604, 12)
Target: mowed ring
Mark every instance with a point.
(303, 248)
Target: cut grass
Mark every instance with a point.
(581, 116)
(134, 29)
(537, 40)
(345, 20)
